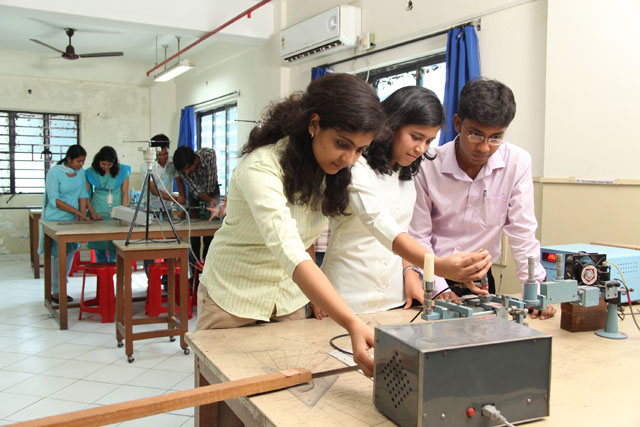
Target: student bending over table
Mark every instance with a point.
(65, 199)
(293, 172)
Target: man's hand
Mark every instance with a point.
(181, 199)
(449, 295)
(549, 312)
(475, 289)
(464, 267)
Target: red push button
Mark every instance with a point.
(470, 412)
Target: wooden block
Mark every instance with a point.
(575, 318)
(576, 309)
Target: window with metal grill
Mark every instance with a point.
(218, 129)
(30, 144)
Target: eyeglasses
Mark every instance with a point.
(476, 139)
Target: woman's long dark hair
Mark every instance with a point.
(108, 154)
(342, 102)
(411, 105)
(73, 152)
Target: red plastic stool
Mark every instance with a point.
(78, 264)
(104, 303)
(153, 306)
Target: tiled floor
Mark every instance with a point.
(45, 371)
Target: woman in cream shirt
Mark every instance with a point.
(294, 172)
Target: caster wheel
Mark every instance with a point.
(120, 344)
(172, 339)
(130, 359)
(187, 351)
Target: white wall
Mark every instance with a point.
(592, 89)
(513, 50)
(109, 114)
(165, 115)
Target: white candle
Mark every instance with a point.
(428, 268)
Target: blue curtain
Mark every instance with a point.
(187, 135)
(463, 64)
(317, 72)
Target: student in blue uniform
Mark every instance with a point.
(108, 181)
(65, 199)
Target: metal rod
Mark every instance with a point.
(235, 92)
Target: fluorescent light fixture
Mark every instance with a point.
(174, 70)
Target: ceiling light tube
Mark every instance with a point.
(174, 70)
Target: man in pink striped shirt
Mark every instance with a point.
(478, 187)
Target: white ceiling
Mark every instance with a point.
(135, 29)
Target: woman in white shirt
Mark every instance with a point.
(362, 259)
(294, 172)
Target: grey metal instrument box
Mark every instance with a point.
(439, 373)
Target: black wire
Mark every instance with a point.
(338, 348)
(436, 296)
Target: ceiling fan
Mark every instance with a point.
(70, 52)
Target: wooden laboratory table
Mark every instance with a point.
(595, 381)
(173, 253)
(72, 231)
(34, 240)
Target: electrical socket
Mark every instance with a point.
(364, 42)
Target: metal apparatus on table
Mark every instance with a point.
(149, 153)
(472, 368)
(480, 359)
(458, 372)
(580, 278)
(627, 259)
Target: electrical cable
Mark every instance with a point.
(436, 296)
(187, 217)
(331, 342)
(624, 283)
(491, 412)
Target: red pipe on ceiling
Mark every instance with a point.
(209, 34)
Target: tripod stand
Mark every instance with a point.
(149, 157)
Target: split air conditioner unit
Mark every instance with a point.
(329, 32)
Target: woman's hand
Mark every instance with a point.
(361, 342)
(96, 216)
(464, 267)
(412, 289)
